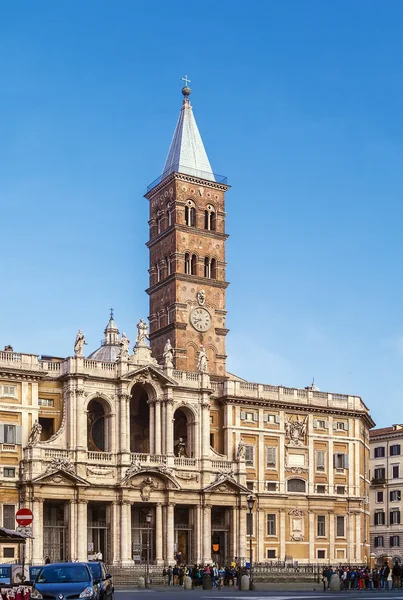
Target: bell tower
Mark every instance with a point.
(187, 252)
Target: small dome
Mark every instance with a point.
(106, 353)
(186, 91)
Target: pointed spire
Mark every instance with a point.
(186, 153)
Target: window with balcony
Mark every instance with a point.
(271, 524)
(379, 452)
(394, 450)
(379, 473)
(321, 526)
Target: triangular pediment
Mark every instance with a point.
(226, 483)
(147, 373)
(60, 477)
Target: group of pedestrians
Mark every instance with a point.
(364, 578)
(220, 576)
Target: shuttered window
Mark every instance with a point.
(320, 460)
(271, 457)
(9, 516)
(10, 434)
(271, 524)
(249, 455)
(340, 526)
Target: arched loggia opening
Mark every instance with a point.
(98, 434)
(184, 443)
(139, 420)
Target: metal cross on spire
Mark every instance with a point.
(111, 309)
(186, 80)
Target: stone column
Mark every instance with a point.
(198, 529)
(124, 428)
(330, 468)
(125, 534)
(157, 425)
(311, 537)
(170, 532)
(242, 533)
(163, 428)
(358, 556)
(207, 534)
(158, 534)
(234, 518)
(82, 541)
(77, 400)
(282, 533)
(151, 406)
(73, 530)
(205, 450)
(331, 536)
(37, 531)
(260, 535)
(169, 428)
(115, 517)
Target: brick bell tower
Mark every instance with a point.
(187, 252)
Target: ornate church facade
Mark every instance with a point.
(94, 445)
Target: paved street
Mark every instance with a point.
(233, 594)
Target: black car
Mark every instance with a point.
(58, 581)
(99, 572)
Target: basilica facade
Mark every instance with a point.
(157, 444)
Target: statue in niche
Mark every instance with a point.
(181, 448)
(79, 343)
(168, 355)
(35, 434)
(124, 346)
(202, 360)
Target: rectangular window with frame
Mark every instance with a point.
(395, 471)
(10, 436)
(340, 526)
(46, 402)
(271, 457)
(273, 419)
(249, 455)
(249, 416)
(8, 552)
(379, 452)
(379, 518)
(394, 541)
(320, 456)
(340, 489)
(250, 485)
(379, 497)
(321, 489)
(271, 524)
(9, 472)
(394, 517)
(340, 460)
(321, 526)
(378, 541)
(321, 553)
(9, 516)
(9, 391)
(394, 450)
(271, 553)
(320, 424)
(395, 496)
(271, 486)
(340, 426)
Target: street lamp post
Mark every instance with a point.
(251, 504)
(148, 521)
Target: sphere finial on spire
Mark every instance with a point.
(186, 89)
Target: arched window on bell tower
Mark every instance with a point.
(209, 218)
(190, 214)
(169, 214)
(213, 268)
(188, 264)
(207, 267)
(193, 265)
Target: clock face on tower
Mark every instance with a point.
(200, 318)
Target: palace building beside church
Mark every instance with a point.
(93, 444)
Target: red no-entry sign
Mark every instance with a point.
(24, 517)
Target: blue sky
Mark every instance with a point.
(299, 103)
